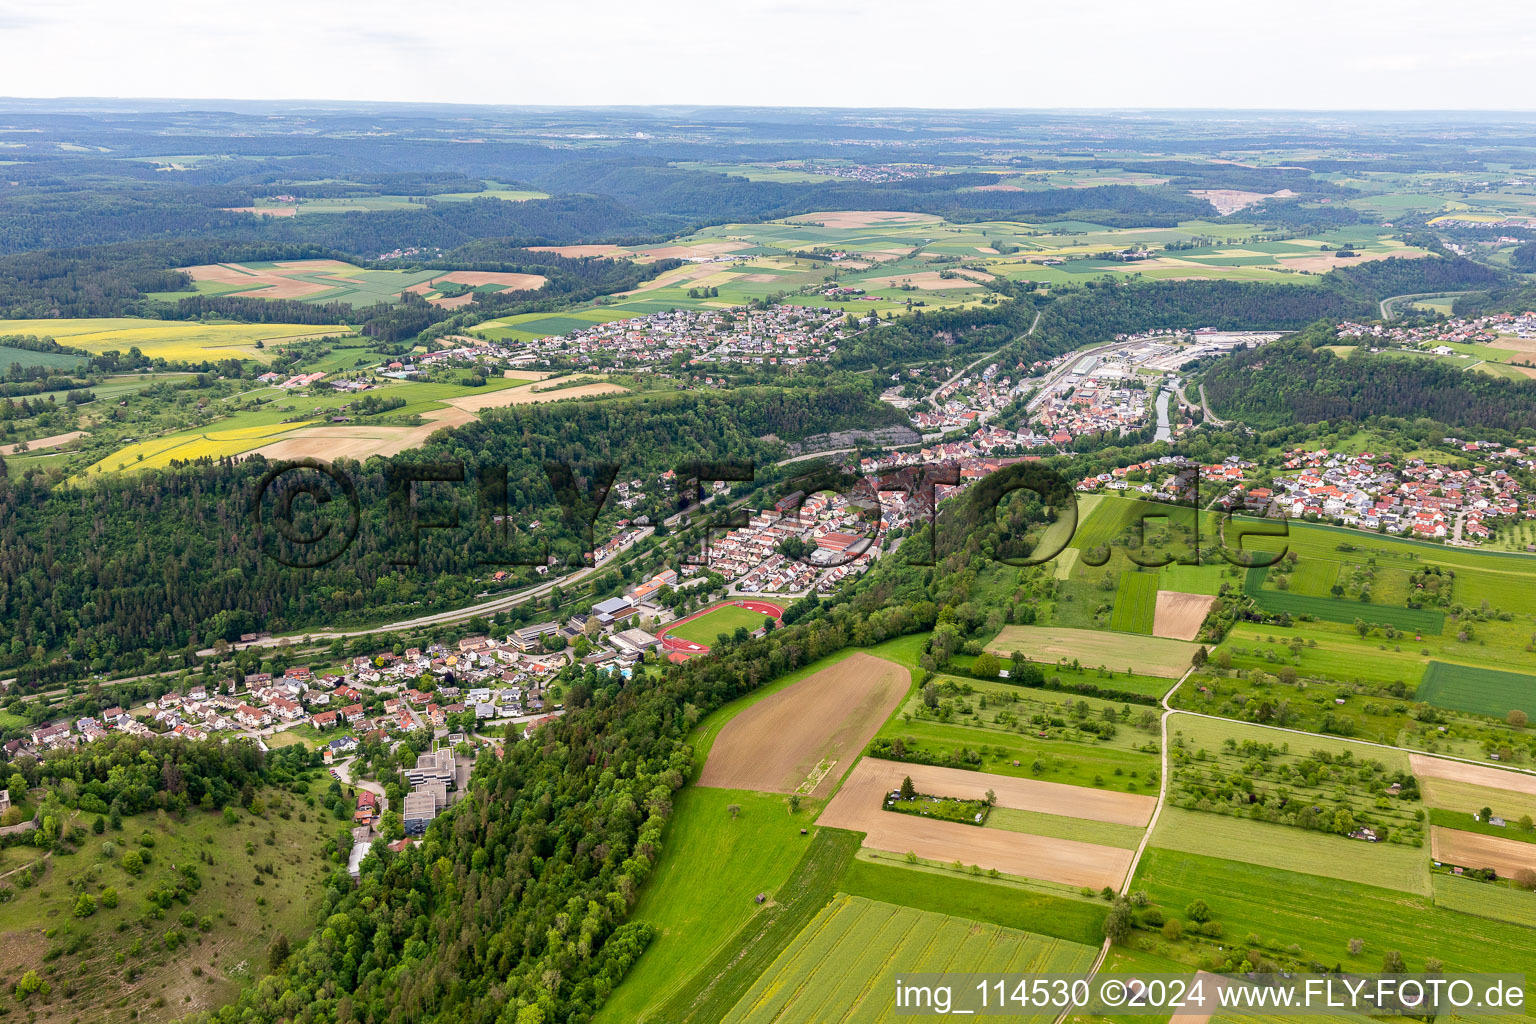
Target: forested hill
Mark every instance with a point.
(1290, 382)
(169, 560)
(512, 909)
(1102, 309)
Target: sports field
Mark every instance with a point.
(845, 956)
(1482, 691)
(702, 630)
(174, 340)
(1141, 654)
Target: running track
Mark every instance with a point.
(677, 645)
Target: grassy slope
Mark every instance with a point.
(89, 985)
(703, 889)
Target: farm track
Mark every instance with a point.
(1417, 762)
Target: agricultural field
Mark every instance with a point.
(801, 739)
(1472, 850)
(857, 807)
(907, 261)
(174, 340)
(870, 939)
(204, 950)
(750, 850)
(719, 982)
(1073, 917)
(1059, 826)
(1053, 735)
(1135, 603)
(1139, 654)
(1290, 849)
(1179, 615)
(281, 423)
(1320, 915)
(1311, 783)
(323, 281)
(1323, 651)
(1061, 755)
(1483, 691)
(11, 356)
(1415, 620)
(1482, 899)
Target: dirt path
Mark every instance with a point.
(42, 442)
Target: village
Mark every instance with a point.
(1417, 498)
(1455, 330)
(778, 335)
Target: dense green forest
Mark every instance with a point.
(1290, 382)
(167, 560)
(123, 775)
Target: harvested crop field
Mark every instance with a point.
(1152, 656)
(1426, 767)
(1179, 615)
(263, 284)
(873, 777)
(1324, 262)
(263, 211)
(682, 275)
(1230, 200)
(533, 394)
(576, 252)
(857, 808)
(929, 280)
(776, 744)
(684, 251)
(1471, 850)
(863, 218)
(360, 441)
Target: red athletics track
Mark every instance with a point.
(686, 649)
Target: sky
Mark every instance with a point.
(1306, 54)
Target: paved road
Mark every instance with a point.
(1210, 417)
(344, 770)
(932, 396)
(1389, 305)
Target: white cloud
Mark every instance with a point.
(1319, 54)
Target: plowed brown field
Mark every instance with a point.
(774, 745)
